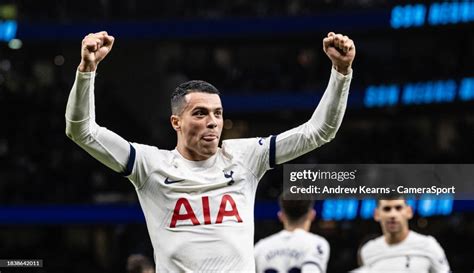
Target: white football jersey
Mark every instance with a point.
(417, 253)
(292, 251)
(200, 214)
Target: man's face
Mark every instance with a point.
(199, 125)
(393, 215)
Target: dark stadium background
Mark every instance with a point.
(62, 206)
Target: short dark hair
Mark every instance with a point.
(294, 210)
(392, 197)
(177, 97)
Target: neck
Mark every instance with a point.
(190, 155)
(395, 238)
(304, 225)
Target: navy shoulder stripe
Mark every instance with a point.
(272, 151)
(131, 161)
(313, 263)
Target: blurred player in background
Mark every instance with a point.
(198, 199)
(138, 263)
(294, 249)
(399, 249)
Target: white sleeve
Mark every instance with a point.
(104, 145)
(258, 257)
(316, 259)
(363, 253)
(322, 126)
(261, 154)
(439, 262)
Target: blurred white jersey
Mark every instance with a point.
(200, 213)
(291, 252)
(417, 253)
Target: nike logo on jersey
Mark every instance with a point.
(260, 141)
(168, 181)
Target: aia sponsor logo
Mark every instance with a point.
(206, 218)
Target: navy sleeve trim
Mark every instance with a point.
(272, 151)
(313, 263)
(130, 163)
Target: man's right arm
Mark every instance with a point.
(104, 145)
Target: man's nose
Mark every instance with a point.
(211, 122)
(392, 212)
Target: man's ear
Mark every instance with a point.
(377, 215)
(312, 215)
(175, 122)
(409, 212)
(281, 216)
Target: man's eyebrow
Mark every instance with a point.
(199, 107)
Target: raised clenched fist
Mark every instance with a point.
(341, 50)
(95, 47)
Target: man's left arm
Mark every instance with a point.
(316, 260)
(261, 154)
(327, 117)
(439, 262)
